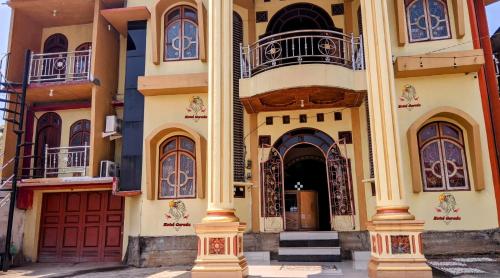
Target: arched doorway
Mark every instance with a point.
(306, 189)
(48, 134)
(55, 49)
(306, 181)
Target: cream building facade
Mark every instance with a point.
(234, 124)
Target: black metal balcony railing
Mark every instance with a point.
(302, 47)
(60, 67)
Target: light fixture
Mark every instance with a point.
(301, 103)
(51, 93)
(54, 13)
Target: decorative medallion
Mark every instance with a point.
(409, 98)
(447, 209)
(216, 246)
(196, 109)
(400, 245)
(178, 213)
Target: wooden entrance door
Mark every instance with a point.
(308, 207)
(48, 133)
(81, 227)
(301, 213)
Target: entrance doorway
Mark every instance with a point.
(306, 181)
(306, 189)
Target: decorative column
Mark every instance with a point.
(220, 235)
(396, 242)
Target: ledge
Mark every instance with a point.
(175, 84)
(121, 16)
(70, 182)
(439, 63)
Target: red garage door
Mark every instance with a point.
(81, 227)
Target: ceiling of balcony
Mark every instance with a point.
(67, 12)
(303, 98)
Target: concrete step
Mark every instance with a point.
(258, 258)
(309, 254)
(309, 251)
(310, 243)
(320, 235)
(309, 258)
(361, 256)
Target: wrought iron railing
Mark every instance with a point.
(302, 47)
(66, 160)
(60, 67)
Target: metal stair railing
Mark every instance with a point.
(13, 99)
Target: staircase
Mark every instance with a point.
(309, 247)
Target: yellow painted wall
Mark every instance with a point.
(76, 34)
(477, 209)
(452, 44)
(68, 118)
(146, 217)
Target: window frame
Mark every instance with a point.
(440, 139)
(177, 151)
(72, 134)
(428, 21)
(182, 19)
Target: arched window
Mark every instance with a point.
(55, 43)
(79, 135)
(177, 168)
(82, 60)
(181, 34)
(427, 20)
(442, 157)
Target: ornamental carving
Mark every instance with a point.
(400, 245)
(216, 246)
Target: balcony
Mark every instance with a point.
(60, 67)
(302, 69)
(62, 76)
(302, 47)
(58, 162)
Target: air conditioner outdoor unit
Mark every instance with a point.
(108, 169)
(113, 124)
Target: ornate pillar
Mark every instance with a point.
(396, 243)
(220, 235)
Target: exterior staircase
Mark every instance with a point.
(309, 247)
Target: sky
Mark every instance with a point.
(492, 10)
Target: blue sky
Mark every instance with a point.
(493, 14)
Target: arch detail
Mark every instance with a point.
(159, 9)
(309, 136)
(473, 144)
(297, 13)
(153, 141)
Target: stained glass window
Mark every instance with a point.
(427, 20)
(442, 157)
(177, 168)
(181, 34)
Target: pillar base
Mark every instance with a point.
(220, 251)
(397, 250)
